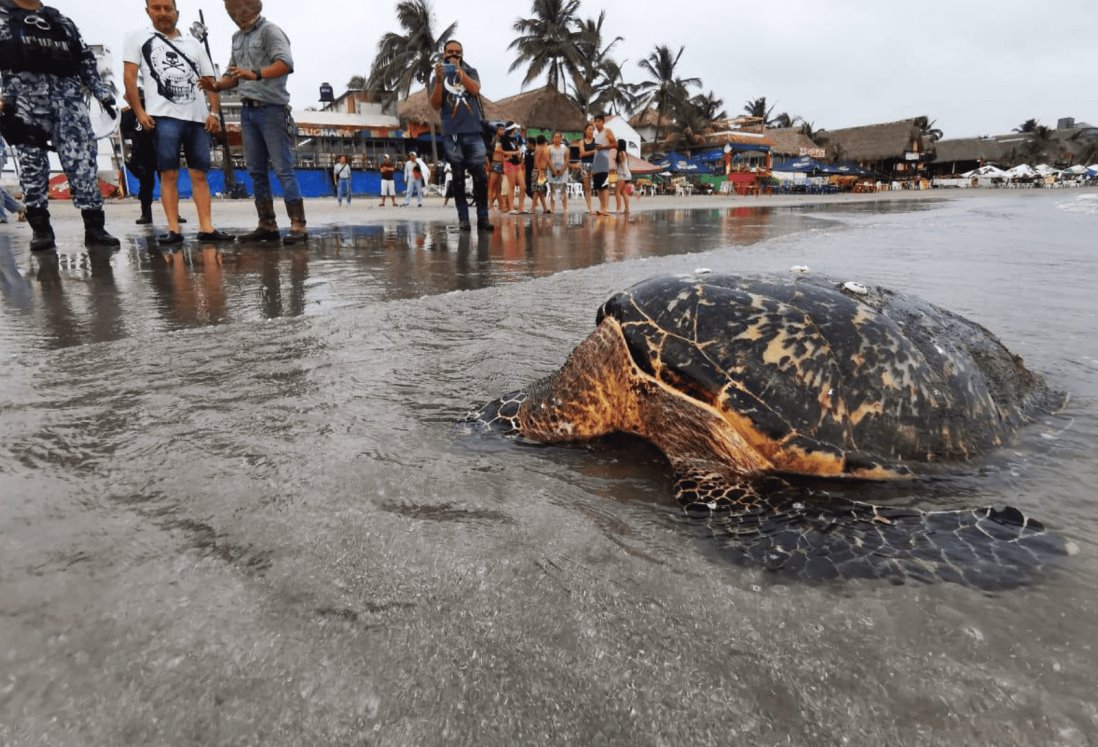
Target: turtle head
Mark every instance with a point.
(498, 416)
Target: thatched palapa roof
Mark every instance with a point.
(969, 149)
(877, 142)
(734, 137)
(648, 118)
(544, 109)
(790, 141)
(417, 109)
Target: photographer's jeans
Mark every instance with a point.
(467, 152)
(267, 144)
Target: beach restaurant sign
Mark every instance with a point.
(813, 152)
(380, 133)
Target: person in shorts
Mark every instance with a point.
(388, 180)
(175, 111)
(558, 173)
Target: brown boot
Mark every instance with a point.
(267, 230)
(296, 210)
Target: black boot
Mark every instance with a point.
(94, 232)
(146, 215)
(296, 210)
(39, 219)
(267, 230)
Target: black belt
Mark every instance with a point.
(253, 103)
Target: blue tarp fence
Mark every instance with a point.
(314, 183)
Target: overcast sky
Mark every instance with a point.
(977, 67)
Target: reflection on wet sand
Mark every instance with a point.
(66, 324)
(204, 285)
(189, 285)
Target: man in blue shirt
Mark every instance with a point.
(455, 94)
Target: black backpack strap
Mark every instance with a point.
(179, 52)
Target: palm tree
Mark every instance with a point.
(662, 87)
(784, 120)
(599, 77)
(548, 42)
(757, 108)
(1028, 126)
(709, 107)
(927, 129)
(808, 129)
(611, 93)
(1088, 154)
(1036, 146)
(404, 59)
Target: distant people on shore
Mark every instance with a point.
(388, 179)
(541, 175)
(558, 173)
(623, 187)
(587, 160)
(416, 174)
(341, 174)
(605, 146)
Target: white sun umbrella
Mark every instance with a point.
(1076, 170)
(1045, 170)
(1022, 171)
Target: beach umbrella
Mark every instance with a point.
(1045, 170)
(1076, 170)
(640, 166)
(1022, 171)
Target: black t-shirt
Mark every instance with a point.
(511, 142)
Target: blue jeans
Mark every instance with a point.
(7, 204)
(170, 134)
(343, 190)
(267, 143)
(467, 152)
(414, 189)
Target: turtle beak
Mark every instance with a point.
(498, 416)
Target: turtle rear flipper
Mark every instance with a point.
(811, 535)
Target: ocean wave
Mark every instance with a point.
(1081, 204)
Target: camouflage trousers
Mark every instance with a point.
(65, 120)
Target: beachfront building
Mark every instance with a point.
(896, 151)
(1070, 144)
(646, 123)
(961, 155)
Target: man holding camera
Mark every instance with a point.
(455, 94)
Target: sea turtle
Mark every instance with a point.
(749, 384)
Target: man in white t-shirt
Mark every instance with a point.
(175, 111)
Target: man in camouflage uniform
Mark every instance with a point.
(44, 68)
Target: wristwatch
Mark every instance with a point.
(258, 74)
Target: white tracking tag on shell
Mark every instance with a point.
(801, 269)
(856, 288)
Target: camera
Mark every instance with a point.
(449, 68)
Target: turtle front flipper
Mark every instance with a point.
(815, 536)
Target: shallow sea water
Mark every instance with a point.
(234, 508)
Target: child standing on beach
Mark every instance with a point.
(625, 178)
